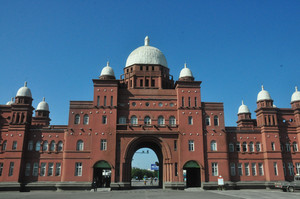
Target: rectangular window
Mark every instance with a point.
(291, 168)
(11, 169)
(14, 146)
(191, 145)
(196, 104)
(152, 82)
(141, 83)
(232, 169)
(176, 169)
(231, 147)
(104, 119)
(98, 100)
(111, 100)
(240, 169)
(273, 146)
(247, 172)
(78, 169)
(58, 169)
(1, 168)
(297, 168)
(103, 145)
(253, 168)
(27, 169)
(104, 103)
(189, 101)
(284, 169)
(214, 167)
(175, 145)
(238, 147)
(258, 147)
(261, 169)
(35, 170)
(190, 118)
(43, 169)
(147, 82)
(182, 101)
(50, 169)
(275, 168)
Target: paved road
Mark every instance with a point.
(152, 194)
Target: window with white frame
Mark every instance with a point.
(291, 168)
(1, 168)
(35, 170)
(240, 169)
(79, 145)
(238, 147)
(216, 120)
(273, 146)
(86, 119)
(133, 120)
(52, 145)
(161, 121)
(45, 145)
(190, 120)
(298, 168)
(275, 168)
(147, 120)
(213, 145)
(30, 145)
(4, 145)
(38, 146)
(261, 169)
(281, 147)
(11, 168)
(214, 167)
(251, 147)
(60, 146)
(258, 147)
(103, 145)
(207, 121)
(77, 119)
(295, 147)
(104, 119)
(122, 120)
(189, 101)
(232, 169)
(43, 169)
(247, 172)
(253, 168)
(244, 146)
(27, 169)
(50, 169)
(58, 169)
(78, 169)
(14, 145)
(288, 147)
(231, 147)
(172, 121)
(191, 145)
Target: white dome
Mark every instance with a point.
(296, 95)
(10, 102)
(107, 70)
(185, 72)
(243, 108)
(43, 106)
(146, 55)
(263, 95)
(24, 91)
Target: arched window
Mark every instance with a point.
(244, 146)
(77, 119)
(52, 145)
(133, 120)
(295, 147)
(231, 147)
(216, 120)
(27, 169)
(147, 120)
(161, 121)
(207, 121)
(38, 146)
(79, 145)
(30, 145)
(238, 147)
(86, 119)
(4, 145)
(45, 146)
(288, 147)
(213, 145)
(172, 121)
(258, 148)
(251, 147)
(60, 146)
(122, 120)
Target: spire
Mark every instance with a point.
(146, 41)
(25, 84)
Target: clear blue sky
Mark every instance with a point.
(231, 46)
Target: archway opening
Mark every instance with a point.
(102, 174)
(191, 173)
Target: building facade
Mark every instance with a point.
(147, 108)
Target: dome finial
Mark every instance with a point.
(184, 64)
(242, 102)
(107, 63)
(25, 84)
(296, 88)
(146, 41)
(262, 87)
(43, 99)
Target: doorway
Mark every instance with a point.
(102, 174)
(191, 173)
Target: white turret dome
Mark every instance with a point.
(43, 106)
(296, 95)
(263, 95)
(243, 108)
(10, 102)
(107, 71)
(185, 72)
(146, 55)
(24, 91)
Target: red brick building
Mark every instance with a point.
(147, 108)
